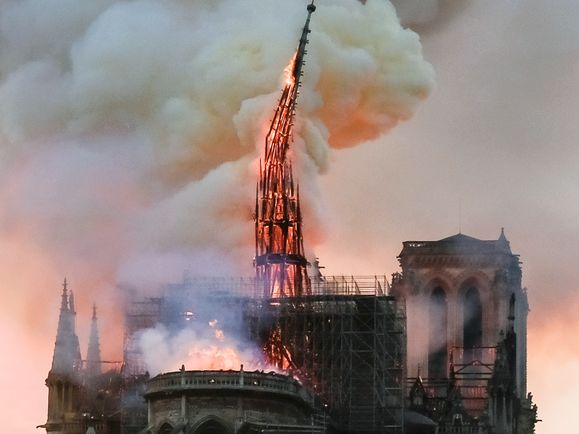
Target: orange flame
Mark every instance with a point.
(289, 71)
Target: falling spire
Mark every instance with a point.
(279, 260)
(93, 359)
(66, 358)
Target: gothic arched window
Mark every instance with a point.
(472, 320)
(438, 346)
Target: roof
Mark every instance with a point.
(457, 244)
(413, 418)
(459, 238)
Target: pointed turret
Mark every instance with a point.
(503, 242)
(64, 382)
(93, 358)
(66, 358)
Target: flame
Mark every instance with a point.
(288, 72)
(213, 357)
(222, 354)
(218, 332)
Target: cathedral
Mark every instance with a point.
(465, 357)
(438, 348)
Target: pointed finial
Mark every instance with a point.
(301, 51)
(502, 236)
(94, 315)
(64, 297)
(71, 302)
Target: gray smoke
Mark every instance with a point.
(429, 15)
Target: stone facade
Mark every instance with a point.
(467, 328)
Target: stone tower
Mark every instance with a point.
(463, 295)
(467, 333)
(64, 379)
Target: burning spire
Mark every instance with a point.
(279, 258)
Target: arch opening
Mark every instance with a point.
(438, 334)
(472, 323)
(211, 426)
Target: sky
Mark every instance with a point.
(108, 174)
(495, 145)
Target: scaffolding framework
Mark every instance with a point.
(140, 315)
(346, 342)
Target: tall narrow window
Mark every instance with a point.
(438, 347)
(512, 308)
(472, 321)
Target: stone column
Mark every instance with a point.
(70, 388)
(183, 407)
(504, 414)
(149, 413)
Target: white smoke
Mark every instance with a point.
(205, 333)
(130, 130)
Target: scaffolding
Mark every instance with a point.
(346, 342)
(140, 314)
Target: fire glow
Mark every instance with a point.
(200, 346)
(280, 261)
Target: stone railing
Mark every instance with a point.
(183, 381)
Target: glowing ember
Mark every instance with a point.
(214, 357)
(218, 332)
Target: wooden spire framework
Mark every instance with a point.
(279, 258)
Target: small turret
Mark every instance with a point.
(64, 382)
(503, 242)
(93, 358)
(66, 358)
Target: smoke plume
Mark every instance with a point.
(130, 130)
